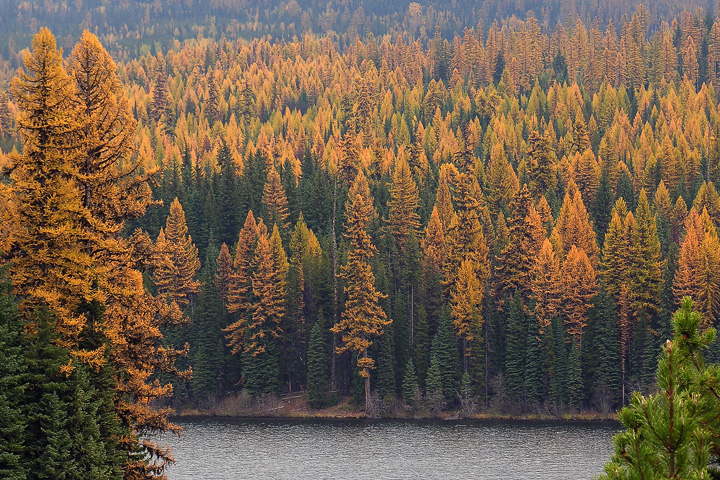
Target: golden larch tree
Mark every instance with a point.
(403, 218)
(175, 278)
(274, 200)
(578, 284)
(363, 317)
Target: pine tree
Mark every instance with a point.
(670, 433)
(363, 317)
(317, 374)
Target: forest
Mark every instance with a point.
(496, 217)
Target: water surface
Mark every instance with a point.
(355, 449)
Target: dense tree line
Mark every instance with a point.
(522, 248)
(512, 233)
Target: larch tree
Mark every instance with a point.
(526, 236)
(645, 277)
(175, 277)
(573, 227)
(403, 219)
(240, 288)
(579, 286)
(261, 365)
(698, 274)
(274, 200)
(363, 317)
(541, 165)
(75, 183)
(465, 305)
(49, 265)
(546, 287)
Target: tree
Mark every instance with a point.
(49, 264)
(546, 286)
(261, 367)
(363, 317)
(175, 274)
(404, 200)
(698, 272)
(317, 374)
(410, 388)
(671, 433)
(274, 200)
(579, 285)
(525, 241)
(541, 165)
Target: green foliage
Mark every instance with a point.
(445, 351)
(673, 433)
(516, 349)
(410, 389)
(317, 375)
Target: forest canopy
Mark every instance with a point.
(498, 215)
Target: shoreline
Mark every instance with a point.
(294, 408)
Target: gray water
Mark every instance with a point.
(340, 449)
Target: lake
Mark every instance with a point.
(220, 448)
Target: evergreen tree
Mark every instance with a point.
(516, 348)
(13, 383)
(670, 433)
(434, 387)
(317, 375)
(444, 350)
(410, 388)
(575, 389)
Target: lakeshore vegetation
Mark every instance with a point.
(501, 218)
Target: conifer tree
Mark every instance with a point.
(175, 277)
(698, 271)
(546, 286)
(670, 433)
(579, 285)
(13, 382)
(317, 374)
(404, 200)
(363, 317)
(516, 348)
(575, 390)
(542, 165)
(410, 388)
(526, 237)
(49, 264)
(274, 200)
(444, 350)
(261, 367)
